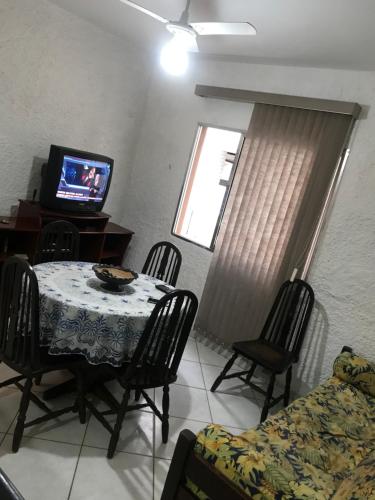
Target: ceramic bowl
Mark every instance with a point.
(114, 277)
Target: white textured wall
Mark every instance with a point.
(165, 143)
(64, 81)
(343, 273)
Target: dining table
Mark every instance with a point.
(79, 316)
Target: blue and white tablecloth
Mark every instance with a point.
(78, 316)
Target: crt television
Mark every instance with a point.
(75, 180)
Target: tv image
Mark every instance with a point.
(75, 180)
(83, 180)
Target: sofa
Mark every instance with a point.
(320, 447)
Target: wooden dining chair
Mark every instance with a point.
(19, 344)
(154, 363)
(163, 262)
(58, 241)
(279, 344)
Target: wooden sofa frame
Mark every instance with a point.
(7, 489)
(186, 464)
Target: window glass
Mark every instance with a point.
(207, 184)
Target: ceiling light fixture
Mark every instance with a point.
(174, 56)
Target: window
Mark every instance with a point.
(207, 185)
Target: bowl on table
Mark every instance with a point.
(114, 277)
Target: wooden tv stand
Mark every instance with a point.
(100, 240)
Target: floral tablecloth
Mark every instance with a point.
(78, 316)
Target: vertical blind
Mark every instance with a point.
(287, 163)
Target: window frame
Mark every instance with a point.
(198, 131)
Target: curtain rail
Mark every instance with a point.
(251, 96)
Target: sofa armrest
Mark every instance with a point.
(346, 348)
(356, 371)
(7, 489)
(191, 477)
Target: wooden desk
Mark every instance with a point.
(105, 242)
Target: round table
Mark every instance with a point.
(78, 316)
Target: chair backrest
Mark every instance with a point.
(59, 241)
(167, 331)
(287, 321)
(163, 262)
(19, 315)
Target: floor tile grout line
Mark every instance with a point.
(199, 356)
(208, 401)
(117, 451)
(7, 433)
(223, 391)
(204, 422)
(191, 386)
(216, 366)
(78, 458)
(154, 455)
(192, 419)
(28, 436)
(163, 458)
(226, 359)
(80, 445)
(204, 382)
(189, 360)
(3, 439)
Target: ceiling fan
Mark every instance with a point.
(174, 55)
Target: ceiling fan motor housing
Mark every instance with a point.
(178, 28)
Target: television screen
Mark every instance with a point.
(76, 181)
(83, 180)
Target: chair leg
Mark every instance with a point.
(268, 398)
(226, 368)
(287, 385)
(80, 401)
(117, 428)
(251, 372)
(165, 419)
(13, 380)
(25, 400)
(138, 394)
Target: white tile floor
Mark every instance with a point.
(64, 460)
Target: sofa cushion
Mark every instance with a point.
(361, 484)
(355, 370)
(304, 451)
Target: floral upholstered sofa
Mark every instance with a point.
(320, 447)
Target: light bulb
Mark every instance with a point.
(174, 58)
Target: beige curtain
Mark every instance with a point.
(285, 169)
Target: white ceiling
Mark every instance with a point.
(320, 33)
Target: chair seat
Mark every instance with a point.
(265, 354)
(48, 362)
(147, 377)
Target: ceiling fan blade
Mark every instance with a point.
(224, 28)
(194, 45)
(144, 11)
